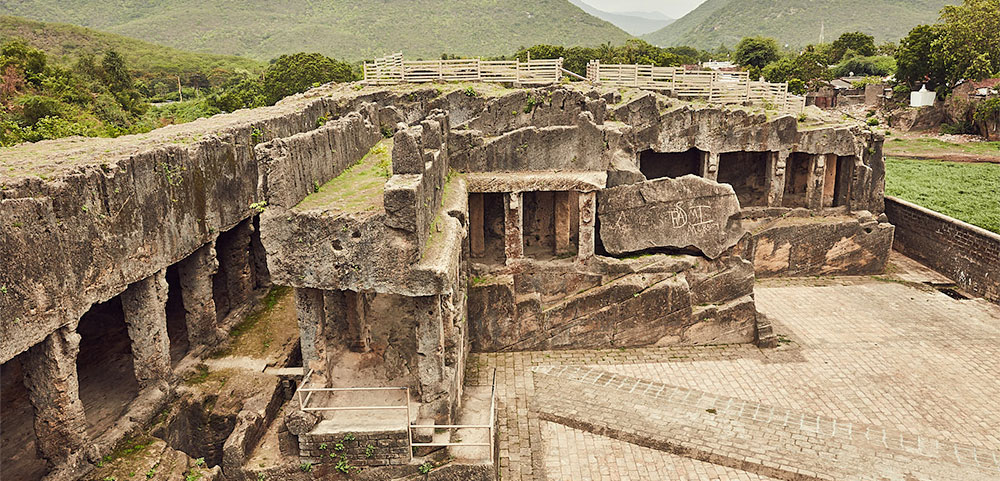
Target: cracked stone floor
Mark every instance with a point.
(883, 378)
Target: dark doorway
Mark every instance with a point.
(797, 180)
(747, 173)
(177, 329)
(17, 438)
(657, 165)
(107, 376)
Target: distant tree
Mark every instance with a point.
(31, 62)
(755, 53)
(860, 43)
(807, 67)
(875, 66)
(291, 74)
(970, 40)
(963, 46)
(916, 62)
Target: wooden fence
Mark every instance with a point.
(393, 70)
(716, 87)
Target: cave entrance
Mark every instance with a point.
(539, 224)
(747, 173)
(17, 438)
(104, 365)
(657, 165)
(487, 226)
(177, 329)
(797, 180)
(837, 180)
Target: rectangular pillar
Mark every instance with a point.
(54, 391)
(234, 255)
(309, 309)
(710, 165)
(195, 274)
(477, 225)
(513, 226)
(145, 306)
(588, 220)
(430, 357)
(814, 186)
(776, 164)
(562, 221)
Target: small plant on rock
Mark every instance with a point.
(306, 467)
(425, 468)
(369, 451)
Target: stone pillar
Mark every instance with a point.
(309, 308)
(195, 274)
(710, 165)
(258, 257)
(776, 177)
(562, 221)
(53, 388)
(588, 219)
(430, 356)
(145, 306)
(477, 225)
(814, 185)
(234, 255)
(513, 226)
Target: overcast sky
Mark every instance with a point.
(671, 8)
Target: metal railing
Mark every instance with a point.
(308, 391)
(490, 428)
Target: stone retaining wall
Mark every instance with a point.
(965, 253)
(376, 448)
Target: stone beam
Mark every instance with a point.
(588, 218)
(195, 274)
(145, 306)
(513, 226)
(53, 389)
(562, 221)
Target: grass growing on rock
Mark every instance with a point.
(271, 325)
(359, 188)
(966, 191)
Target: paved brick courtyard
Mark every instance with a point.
(875, 378)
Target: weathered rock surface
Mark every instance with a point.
(665, 213)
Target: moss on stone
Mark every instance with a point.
(360, 188)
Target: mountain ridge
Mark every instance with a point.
(635, 23)
(795, 22)
(262, 30)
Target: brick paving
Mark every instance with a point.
(891, 357)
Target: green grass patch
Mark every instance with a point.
(966, 191)
(937, 146)
(267, 304)
(357, 189)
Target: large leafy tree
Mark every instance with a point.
(290, 74)
(860, 43)
(962, 46)
(756, 52)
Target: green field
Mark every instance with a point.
(931, 147)
(963, 190)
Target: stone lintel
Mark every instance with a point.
(583, 181)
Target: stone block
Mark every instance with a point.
(670, 213)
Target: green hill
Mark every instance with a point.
(795, 22)
(65, 43)
(346, 29)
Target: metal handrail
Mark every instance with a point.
(304, 406)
